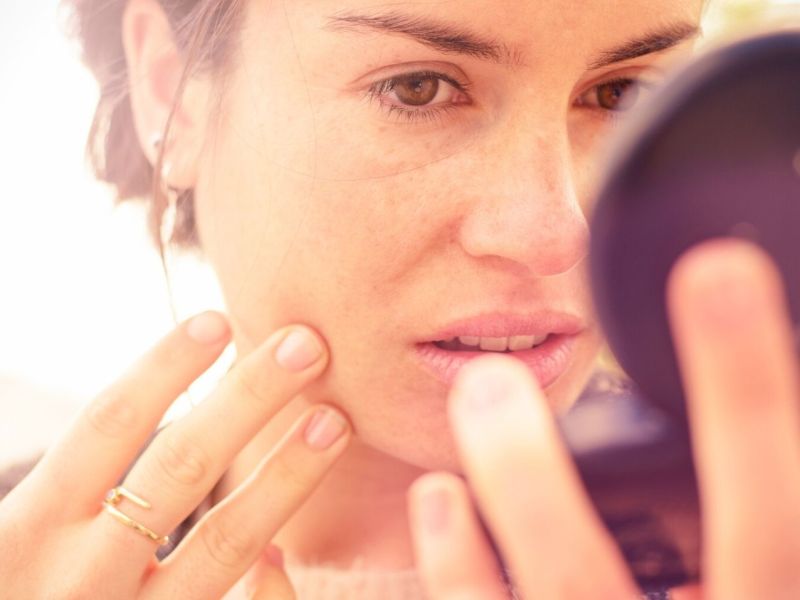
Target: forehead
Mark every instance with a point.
(521, 20)
(528, 32)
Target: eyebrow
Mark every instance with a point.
(451, 39)
(442, 37)
(655, 41)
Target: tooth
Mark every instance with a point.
(521, 342)
(469, 340)
(540, 338)
(495, 344)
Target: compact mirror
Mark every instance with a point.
(715, 153)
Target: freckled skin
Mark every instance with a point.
(316, 206)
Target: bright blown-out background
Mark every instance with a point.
(82, 293)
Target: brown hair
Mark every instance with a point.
(204, 32)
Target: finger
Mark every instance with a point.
(275, 585)
(266, 578)
(453, 557)
(109, 431)
(735, 345)
(230, 537)
(687, 592)
(272, 583)
(189, 456)
(528, 489)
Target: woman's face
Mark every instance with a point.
(381, 171)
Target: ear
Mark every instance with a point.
(155, 67)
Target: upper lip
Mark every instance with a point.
(497, 324)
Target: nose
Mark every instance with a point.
(524, 208)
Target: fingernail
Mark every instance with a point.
(728, 299)
(484, 387)
(434, 508)
(725, 288)
(207, 328)
(274, 555)
(325, 427)
(298, 351)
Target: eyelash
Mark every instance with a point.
(616, 115)
(434, 113)
(379, 89)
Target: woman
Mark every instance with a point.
(382, 189)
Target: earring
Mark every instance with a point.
(166, 231)
(171, 194)
(155, 140)
(169, 217)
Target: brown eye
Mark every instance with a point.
(416, 90)
(618, 95)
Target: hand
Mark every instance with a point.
(736, 351)
(58, 541)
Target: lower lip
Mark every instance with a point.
(547, 361)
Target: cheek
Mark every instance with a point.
(286, 246)
(589, 140)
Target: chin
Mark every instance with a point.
(418, 432)
(432, 454)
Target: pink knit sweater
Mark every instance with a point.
(328, 583)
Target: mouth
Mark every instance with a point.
(505, 345)
(545, 342)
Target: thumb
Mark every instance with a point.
(267, 579)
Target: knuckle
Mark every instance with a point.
(112, 414)
(250, 383)
(177, 351)
(457, 591)
(76, 593)
(76, 587)
(463, 594)
(182, 461)
(290, 475)
(226, 543)
(14, 548)
(450, 580)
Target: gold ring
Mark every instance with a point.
(115, 496)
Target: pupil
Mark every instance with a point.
(617, 96)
